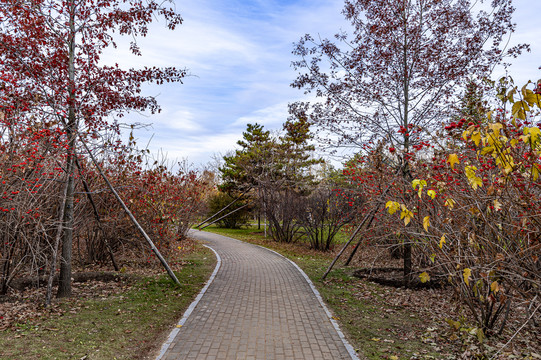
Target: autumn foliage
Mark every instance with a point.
(472, 212)
(55, 92)
(32, 183)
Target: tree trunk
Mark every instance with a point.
(406, 170)
(64, 284)
(407, 263)
(52, 269)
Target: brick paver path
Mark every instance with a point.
(259, 306)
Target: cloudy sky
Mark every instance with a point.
(239, 55)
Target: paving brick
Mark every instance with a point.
(259, 306)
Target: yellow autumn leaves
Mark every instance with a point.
(424, 277)
(405, 214)
(491, 140)
(452, 160)
(473, 179)
(467, 276)
(522, 107)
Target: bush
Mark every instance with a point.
(219, 200)
(325, 214)
(473, 208)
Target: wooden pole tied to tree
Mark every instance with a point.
(370, 216)
(132, 218)
(223, 209)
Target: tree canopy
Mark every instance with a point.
(396, 75)
(51, 76)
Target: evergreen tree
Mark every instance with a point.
(242, 169)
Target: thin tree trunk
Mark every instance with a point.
(406, 171)
(64, 284)
(56, 245)
(407, 264)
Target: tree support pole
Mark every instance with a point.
(356, 247)
(219, 212)
(96, 214)
(132, 218)
(345, 246)
(369, 215)
(243, 206)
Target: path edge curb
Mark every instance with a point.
(192, 306)
(349, 348)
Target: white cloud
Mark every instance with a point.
(528, 30)
(197, 149)
(271, 117)
(181, 120)
(240, 52)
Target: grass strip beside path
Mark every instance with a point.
(129, 324)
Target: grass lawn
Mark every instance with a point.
(128, 322)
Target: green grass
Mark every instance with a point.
(128, 325)
(375, 329)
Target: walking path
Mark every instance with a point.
(258, 305)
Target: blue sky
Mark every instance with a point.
(239, 55)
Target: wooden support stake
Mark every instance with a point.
(96, 215)
(356, 247)
(369, 215)
(243, 206)
(345, 246)
(132, 218)
(219, 212)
